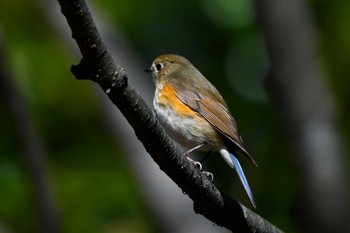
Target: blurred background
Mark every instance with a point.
(69, 162)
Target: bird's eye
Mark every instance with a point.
(159, 66)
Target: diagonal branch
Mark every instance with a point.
(97, 65)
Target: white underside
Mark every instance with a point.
(226, 156)
(188, 132)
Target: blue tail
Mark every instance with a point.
(234, 163)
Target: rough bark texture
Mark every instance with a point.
(97, 65)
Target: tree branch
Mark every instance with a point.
(97, 65)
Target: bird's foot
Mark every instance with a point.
(209, 175)
(196, 163)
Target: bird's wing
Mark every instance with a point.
(216, 114)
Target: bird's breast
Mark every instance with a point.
(167, 97)
(183, 125)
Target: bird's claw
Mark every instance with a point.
(196, 163)
(209, 175)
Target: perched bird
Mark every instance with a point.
(194, 114)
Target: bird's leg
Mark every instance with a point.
(186, 153)
(199, 164)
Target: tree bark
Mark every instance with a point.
(97, 65)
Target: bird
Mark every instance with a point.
(194, 114)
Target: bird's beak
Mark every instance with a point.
(149, 70)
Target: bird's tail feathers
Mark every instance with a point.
(233, 162)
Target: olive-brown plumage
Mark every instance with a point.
(193, 112)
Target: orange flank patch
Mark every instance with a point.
(167, 96)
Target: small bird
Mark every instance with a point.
(194, 114)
